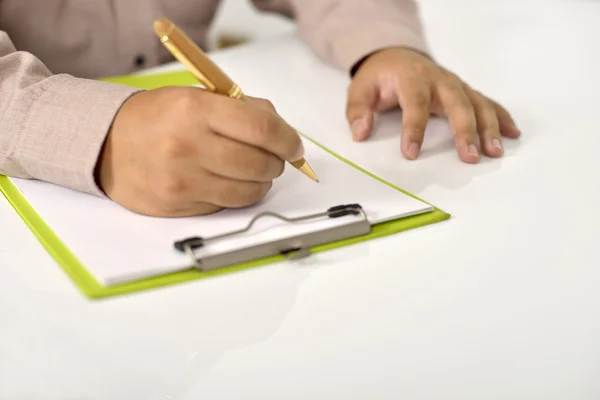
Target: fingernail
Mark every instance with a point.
(299, 153)
(358, 128)
(473, 150)
(413, 150)
(496, 144)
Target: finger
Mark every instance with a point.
(415, 99)
(181, 210)
(255, 126)
(507, 124)
(176, 192)
(362, 97)
(230, 193)
(461, 116)
(488, 127)
(232, 159)
(262, 103)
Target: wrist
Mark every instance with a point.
(357, 65)
(407, 50)
(100, 167)
(361, 62)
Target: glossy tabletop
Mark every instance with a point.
(499, 302)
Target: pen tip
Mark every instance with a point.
(303, 166)
(309, 172)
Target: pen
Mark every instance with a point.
(207, 72)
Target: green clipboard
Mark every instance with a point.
(86, 282)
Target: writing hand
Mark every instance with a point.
(404, 77)
(182, 151)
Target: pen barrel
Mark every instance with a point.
(189, 54)
(223, 85)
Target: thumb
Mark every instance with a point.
(362, 96)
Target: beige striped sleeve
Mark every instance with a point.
(52, 127)
(343, 32)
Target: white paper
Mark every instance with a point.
(117, 246)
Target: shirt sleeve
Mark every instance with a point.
(343, 32)
(52, 127)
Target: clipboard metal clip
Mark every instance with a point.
(292, 248)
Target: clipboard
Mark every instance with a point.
(359, 230)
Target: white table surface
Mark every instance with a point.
(500, 302)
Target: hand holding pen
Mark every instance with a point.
(183, 151)
(207, 72)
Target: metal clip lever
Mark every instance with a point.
(292, 248)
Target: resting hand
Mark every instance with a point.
(404, 77)
(183, 151)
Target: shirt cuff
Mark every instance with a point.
(65, 129)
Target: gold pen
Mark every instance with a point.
(207, 72)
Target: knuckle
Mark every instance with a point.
(488, 126)
(228, 195)
(488, 113)
(225, 153)
(460, 103)
(451, 87)
(465, 105)
(475, 93)
(254, 193)
(264, 127)
(240, 194)
(266, 104)
(170, 188)
(251, 163)
(501, 111)
(258, 167)
(452, 77)
(187, 101)
(172, 147)
(420, 68)
(419, 100)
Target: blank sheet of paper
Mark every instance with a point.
(117, 246)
